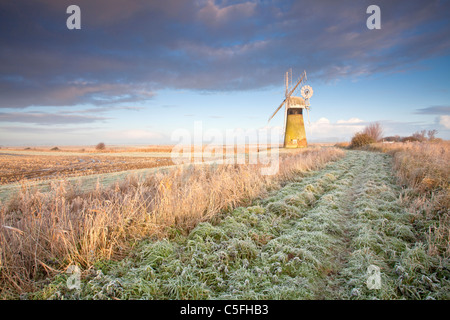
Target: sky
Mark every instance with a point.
(139, 71)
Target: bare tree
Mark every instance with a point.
(374, 130)
(420, 135)
(432, 134)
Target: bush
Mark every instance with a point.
(374, 130)
(54, 149)
(361, 139)
(100, 146)
(392, 138)
(410, 139)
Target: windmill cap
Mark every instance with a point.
(296, 101)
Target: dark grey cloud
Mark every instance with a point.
(38, 92)
(128, 50)
(434, 110)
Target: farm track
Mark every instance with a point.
(313, 239)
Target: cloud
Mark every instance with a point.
(41, 135)
(350, 121)
(21, 94)
(104, 109)
(32, 131)
(445, 110)
(212, 14)
(341, 129)
(323, 130)
(445, 121)
(128, 50)
(43, 118)
(75, 135)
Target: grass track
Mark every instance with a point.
(313, 239)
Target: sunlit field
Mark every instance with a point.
(221, 231)
(44, 230)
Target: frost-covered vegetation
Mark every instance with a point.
(312, 239)
(42, 233)
(423, 168)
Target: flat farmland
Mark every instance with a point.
(39, 167)
(39, 164)
(85, 166)
(34, 165)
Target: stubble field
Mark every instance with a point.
(27, 166)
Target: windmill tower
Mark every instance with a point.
(294, 126)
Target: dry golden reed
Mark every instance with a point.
(423, 168)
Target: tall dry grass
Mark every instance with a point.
(423, 168)
(41, 234)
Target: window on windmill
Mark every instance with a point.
(295, 111)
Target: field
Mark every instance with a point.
(35, 166)
(315, 230)
(39, 166)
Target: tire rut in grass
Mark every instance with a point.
(372, 208)
(382, 238)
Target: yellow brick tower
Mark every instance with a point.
(295, 136)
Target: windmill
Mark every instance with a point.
(294, 126)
